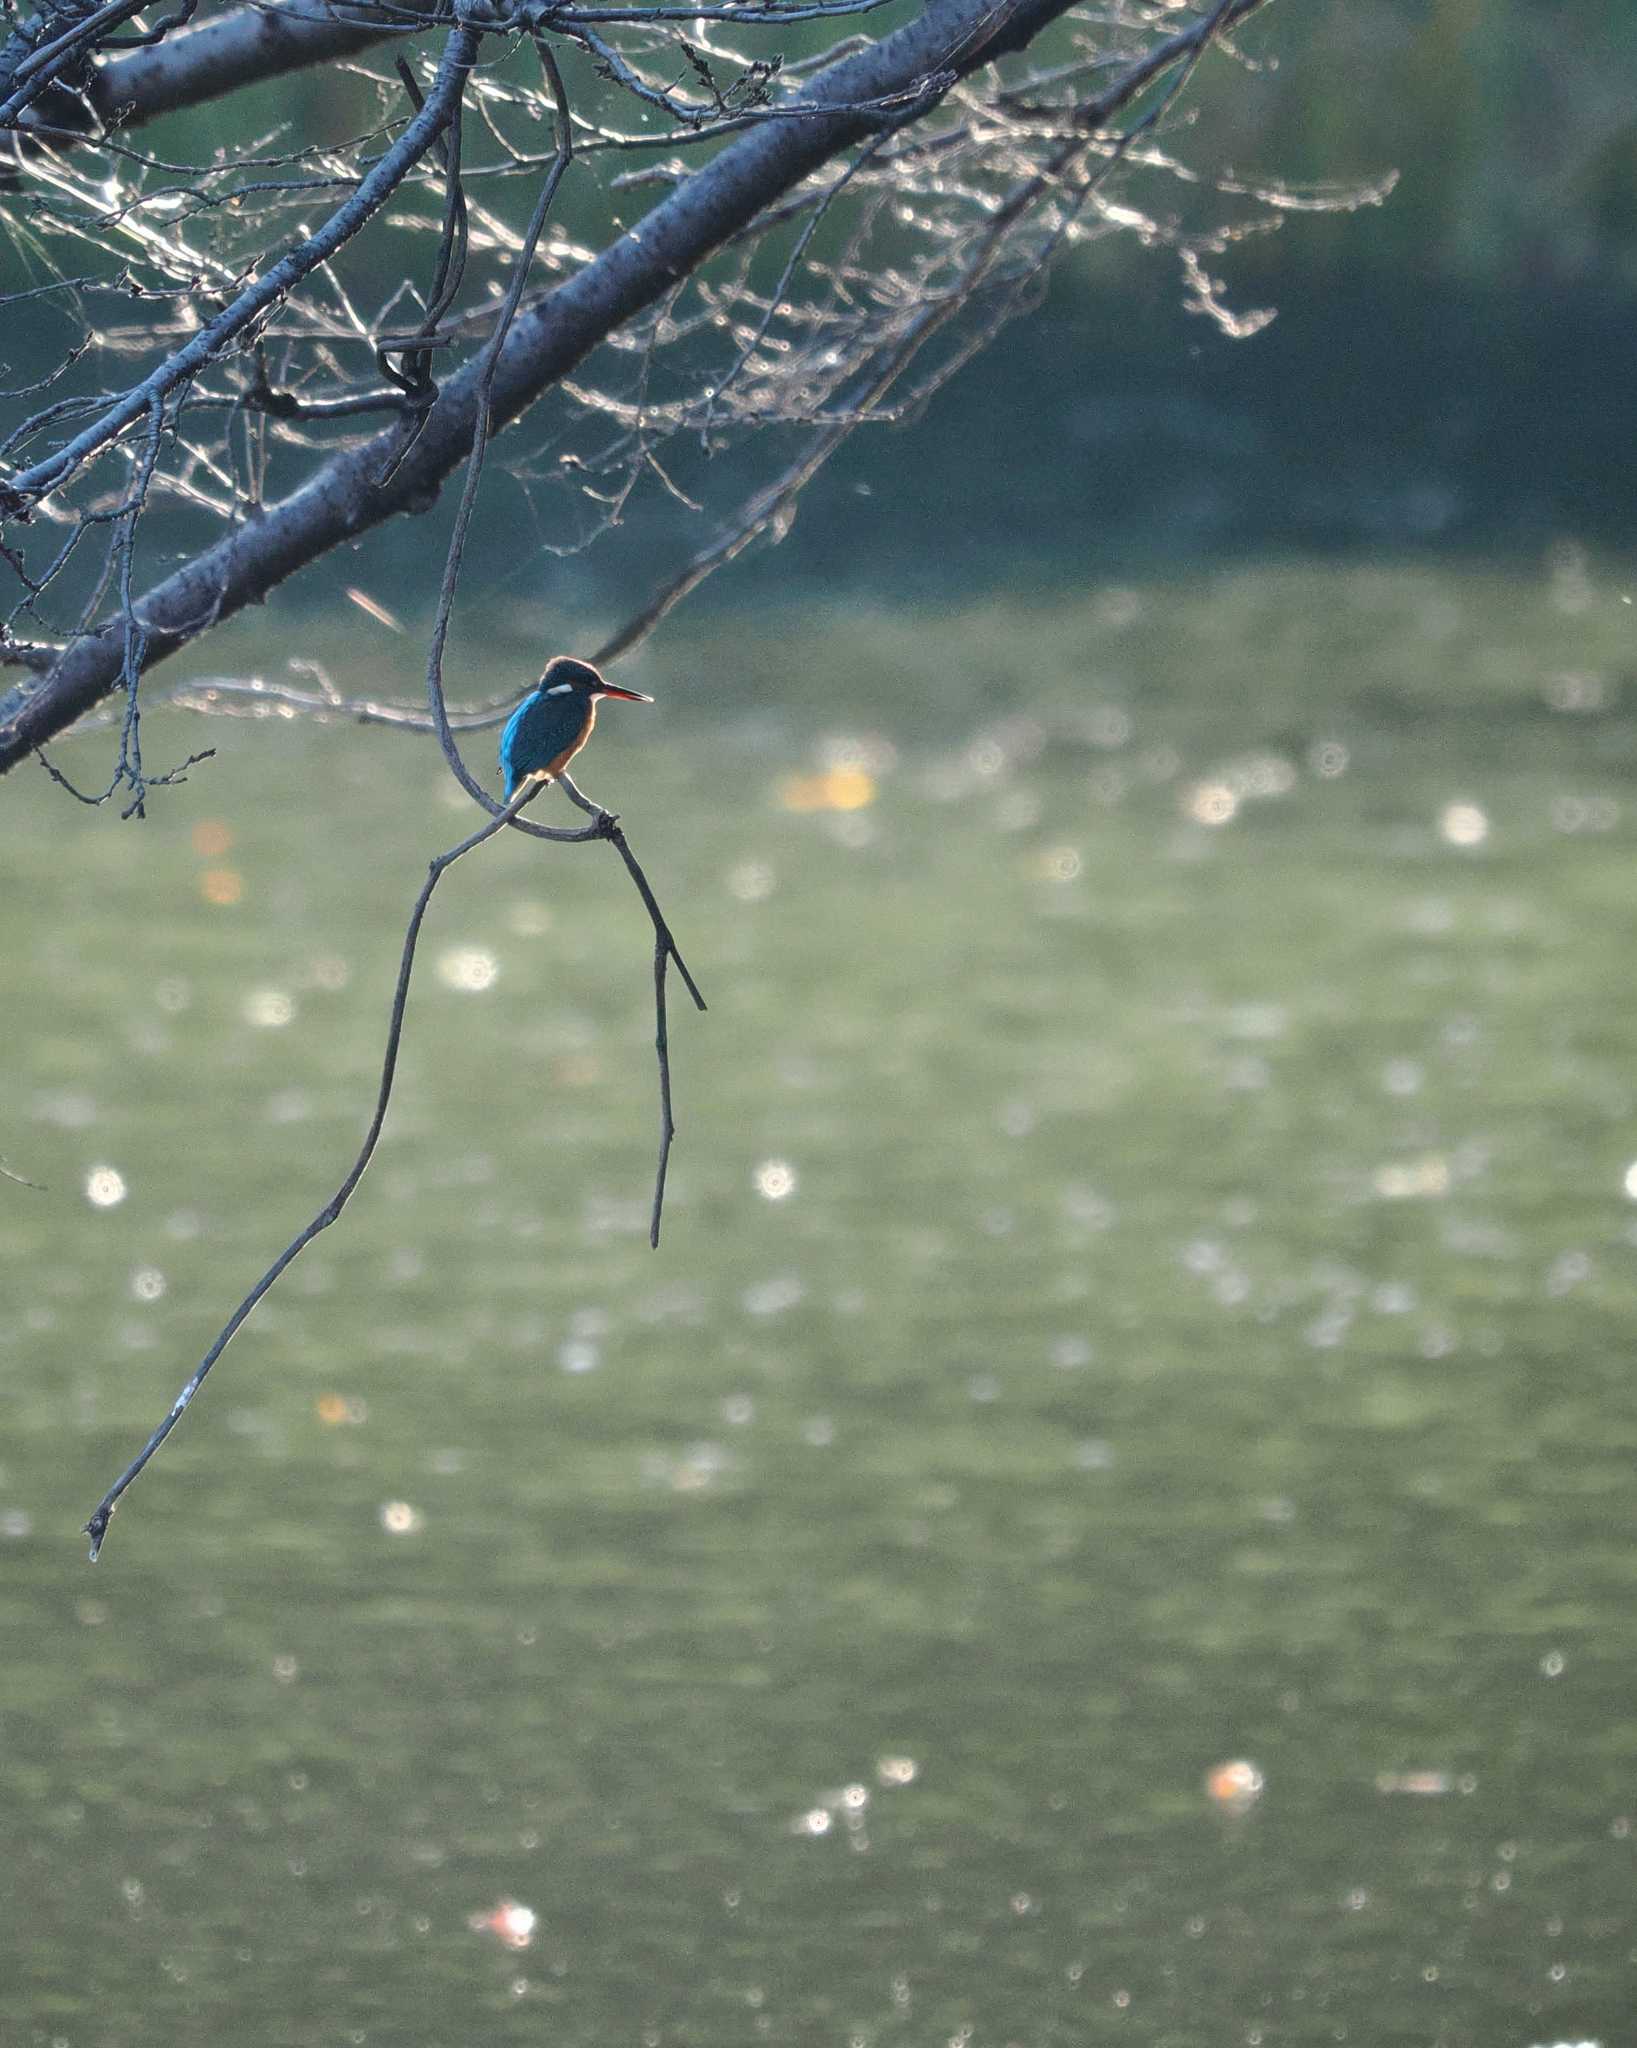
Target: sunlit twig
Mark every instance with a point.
(97, 1527)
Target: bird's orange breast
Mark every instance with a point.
(556, 766)
(558, 762)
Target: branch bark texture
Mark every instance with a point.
(245, 46)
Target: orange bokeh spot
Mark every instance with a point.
(1235, 1786)
(837, 789)
(334, 1409)
(221, 885)
(510, 1923)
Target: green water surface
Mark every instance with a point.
(1149, 1282)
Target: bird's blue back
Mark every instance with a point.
(537, 732)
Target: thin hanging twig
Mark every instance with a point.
(97, 1527)
(665, 952)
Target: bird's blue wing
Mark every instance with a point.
(510, 765)
(538, 731)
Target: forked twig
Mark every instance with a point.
(604, 826)
(97, 1527)
(665, 951)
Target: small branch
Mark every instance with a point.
(278, 404)
(415, 378)
(604, 826)
(129, 769)
(216, 695)
(775, 298)
(97, 1527)
(754, 14)
(769, 509)
(171, 775)
(665, 951)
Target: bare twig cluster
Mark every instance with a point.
(244, 356)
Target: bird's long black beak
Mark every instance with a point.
(614, 690)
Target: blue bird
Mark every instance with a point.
(554, 721)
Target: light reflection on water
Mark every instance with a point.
(1108, 1511)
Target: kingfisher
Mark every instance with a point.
(554, 721)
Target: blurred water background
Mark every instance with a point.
(1109, 1515)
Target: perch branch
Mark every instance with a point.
(603, 826)
(97, 1527)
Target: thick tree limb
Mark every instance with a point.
(885, 85)
(245, 46)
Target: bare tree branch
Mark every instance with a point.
(243, 46)
(247, 45)
(883, 87)
(488, 365)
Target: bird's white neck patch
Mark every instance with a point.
(559, 689)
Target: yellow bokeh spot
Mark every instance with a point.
(221, 885)
(837, 789)
(335, 1409)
